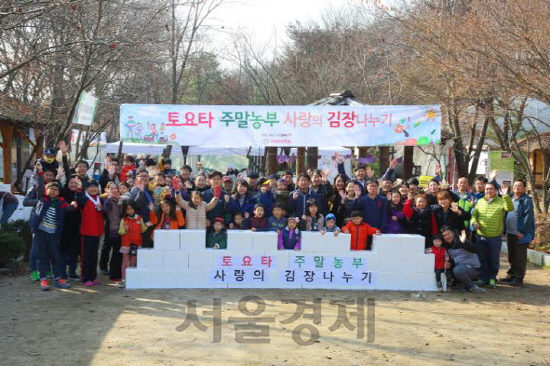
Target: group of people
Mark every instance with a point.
(135, 197)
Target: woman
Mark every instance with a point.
(448, 213)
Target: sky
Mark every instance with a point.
(266, 20)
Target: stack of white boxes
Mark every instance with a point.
(181, 260)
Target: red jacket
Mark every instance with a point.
(440, 254)
(136, 226)
(359, 234)
(124, 172)
(93, 222)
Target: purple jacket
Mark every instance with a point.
(395, 226)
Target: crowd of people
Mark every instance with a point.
(135, 197)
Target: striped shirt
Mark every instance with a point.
(49, 222)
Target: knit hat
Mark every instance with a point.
(330, 216)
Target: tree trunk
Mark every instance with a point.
(489, 117)
(384, 161)
(271, 163)
(312, 157)
(408, 163)
(301, 160)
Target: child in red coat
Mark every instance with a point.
(131, 228)
(359, 230)
(441, 257)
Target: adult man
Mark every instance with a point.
(297, 199)
(324, 190)
(289, 177)
(81, 166)
(487, 220)
(520, 230)
(185, 174)
(372, 205)
(252, 180)
(464, 261)
(111, 173)
(360, 172)
(215, 190)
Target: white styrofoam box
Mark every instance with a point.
(167, 239)
(163, 278)
(239, 240)
(389, 281)
(149, 259)
(196, 279)
(412, 244)
(264, 241)
(281, 258)
(203, 260)
(175, 260)
(419, 282)
(192, 240)
(417, 263)
(386, 245)
(136, 278)
(314, 241)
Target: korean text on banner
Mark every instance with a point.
(85, 110)
(323, 126)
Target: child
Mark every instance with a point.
(360, 231)
(131, 228)
(239, 222)
(47, 226)
(160, 190)
(420, 218)
(70, 238)
(440, 258)
(395, 220)
(290, 236)
(124, 190)
(314, 220)
(217, 238)
(196, 210)
(128, 168)
(330, 225)
(113, 210)
(259, 221)
(91, 230)
(276, 222)
(171, 216)
(281, 194)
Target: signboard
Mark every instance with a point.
(424, 180)
(502, 161)
(236, 126)
(85, 110)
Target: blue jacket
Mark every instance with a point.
(273, 224)
(526, 215)
(374, 210)
(298, 207)
(219, 209)
(234, 206)
(40, 211)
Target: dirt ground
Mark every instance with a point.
(110, 326)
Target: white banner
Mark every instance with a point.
(85, 110)
(237, 126)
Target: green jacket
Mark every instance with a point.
(465, 205)
(490, 215)
(220, 238)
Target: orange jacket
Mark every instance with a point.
(136, 226)
(174, 225)
(359, 234)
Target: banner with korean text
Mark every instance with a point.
(250, 125)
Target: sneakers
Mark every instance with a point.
(439, 285)
(74, 277)
(35, 276)
(61, 283)
(44, 285)
(482, 283)
(96, 283)
(474, 289)
(89, 284)
(517, 282)
(492, 283)
(104, 271)
(49, 274)
(121, 284)
(508, 279)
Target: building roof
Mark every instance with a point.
(14, 111)
(342, 98)
(533, 142)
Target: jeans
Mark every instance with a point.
(47, 250)
(7, 211)
(489, 255)
(465, 274)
